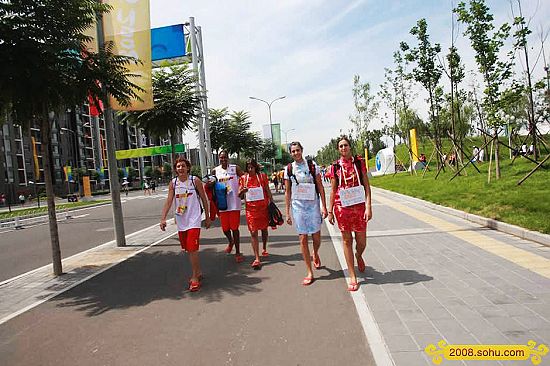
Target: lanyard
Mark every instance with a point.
(352, 178)
(186, 194)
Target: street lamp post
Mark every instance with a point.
(270, 121)
(286, 135)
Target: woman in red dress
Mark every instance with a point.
(350, 203)
(254, 188)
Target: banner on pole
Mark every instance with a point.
(167, 42)
(149, 151)
(86, 184)
(414, 146)
(276, 132)
(127, 25)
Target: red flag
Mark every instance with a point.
(94, 112)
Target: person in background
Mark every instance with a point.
(187, 193)
(303, 191)
(350, 204)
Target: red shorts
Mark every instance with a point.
(189, 239)
(230, 220)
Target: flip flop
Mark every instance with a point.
(307, 281)
(353, 286)
(194, 286)
(228, 248)
(316, 264)
(239, 258)
(265, 253)
(256, 264)
(360, 264)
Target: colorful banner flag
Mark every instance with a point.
(35, 159)
(68, 173)
(149, 151)
(414, 146)
(127, 25)
(86, 184)
(276, 133)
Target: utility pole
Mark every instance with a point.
(200, 125)
(118, 218)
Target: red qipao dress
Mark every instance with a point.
(257, 215)
(350, 218)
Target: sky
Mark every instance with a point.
(310, 50)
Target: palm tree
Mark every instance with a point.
(176, 104)
(42, 69)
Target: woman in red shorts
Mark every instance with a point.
(254, 188)
(187, 192)
(350, 203)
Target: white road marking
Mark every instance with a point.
(378, 346)
(80, 216)
(41, 301)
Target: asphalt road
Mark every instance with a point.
(141, 313)
(30, 248)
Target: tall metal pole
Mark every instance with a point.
(118, 218)
(209, 162)
(195, 59)
(270, 121)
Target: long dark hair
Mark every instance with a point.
(253, 163)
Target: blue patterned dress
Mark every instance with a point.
(306, 214)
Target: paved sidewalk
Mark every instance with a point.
(430, 276)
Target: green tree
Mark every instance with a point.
(176, 104)
(487, 44)
(238, 138)
(43, 69)
(427, 72)
(219, 123)
(366, 109)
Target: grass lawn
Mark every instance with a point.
(36, 211)
(527, 205)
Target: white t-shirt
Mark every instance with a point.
(231, 180)
(186, 195)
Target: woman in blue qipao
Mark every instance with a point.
(303, 193)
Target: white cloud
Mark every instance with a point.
(309, 51)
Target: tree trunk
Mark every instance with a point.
(114, 185)
(497, 163)
(47, 163)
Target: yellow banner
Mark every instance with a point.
(414, 146)
(367, 158)
(35, 159)
(128, 26)
(86, 184)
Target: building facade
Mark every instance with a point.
(78, 141)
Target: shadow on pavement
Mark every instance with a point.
(405, 276)
(162, 274)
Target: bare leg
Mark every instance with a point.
(316, 245)
(229, 236)
(348, 253)
(195, 266)
(360, 243)
(255, 244)
(264, 239)
(305, 254)
(237, 241)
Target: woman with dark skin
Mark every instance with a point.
(350, 204)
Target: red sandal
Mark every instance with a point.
(307, 281)
(353, 286)
(239, 258)
(316, 264)
(194, 286)
(228, 248)
(265, 253)
(256, 264)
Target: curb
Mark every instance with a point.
(515, 230)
